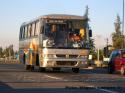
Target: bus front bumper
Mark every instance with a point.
(67, 62)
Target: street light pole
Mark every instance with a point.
(98, 55)
(98, 38)
(123, 20)
(123, 26)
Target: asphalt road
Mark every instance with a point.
(15, 79)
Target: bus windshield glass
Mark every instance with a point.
(65, 35)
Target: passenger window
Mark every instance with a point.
(25, 32)
(21, 33)
(37, 28)
(42, 29)
(33, 29)
(29, 30)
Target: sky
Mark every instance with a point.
(102, 14)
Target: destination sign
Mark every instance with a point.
(55, 21)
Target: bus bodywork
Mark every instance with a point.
(54, 41)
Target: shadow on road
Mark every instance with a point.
(95, 71)
(4, 88)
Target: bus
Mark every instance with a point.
(55, 41)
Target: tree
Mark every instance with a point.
(1, 52)
(8, 51)
(92, 49)
(11, 51)
(117, 37)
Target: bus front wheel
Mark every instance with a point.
(29, 67)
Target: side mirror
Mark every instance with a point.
(90, 33)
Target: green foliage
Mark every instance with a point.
(117, 37)
(100, 54)
(92, 49)
(8, 51)
(1, 51)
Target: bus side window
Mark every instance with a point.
(29, 30)
(25, 32)
(20, 36)
(33, 29)
(37, 28)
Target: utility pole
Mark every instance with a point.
(98, 54)
(123, 20)
(107, 41)
(123, 26)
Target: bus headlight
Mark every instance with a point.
(45, 51)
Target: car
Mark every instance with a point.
(117, 61)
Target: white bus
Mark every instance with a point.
(55, 41)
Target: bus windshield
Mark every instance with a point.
(65, 35)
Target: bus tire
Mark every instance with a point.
(42, 69)
(75, 70)
(122, 70)
(31, 68)
(27, 67)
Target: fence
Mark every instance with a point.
(8, 61)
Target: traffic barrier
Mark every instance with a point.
(9, 61)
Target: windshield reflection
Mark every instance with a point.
(60, 35)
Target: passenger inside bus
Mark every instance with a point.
(59, 35)
(60, 38)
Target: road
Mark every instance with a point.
(15, 79)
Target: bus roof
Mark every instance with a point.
(58, 16)
(63, 16)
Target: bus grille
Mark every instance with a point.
(69, 56)
(73, 56)
(61, 56)
(69, 63)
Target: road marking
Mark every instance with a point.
(53, 77)
(105, 90)
(109, 91)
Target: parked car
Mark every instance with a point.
(117, 61)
